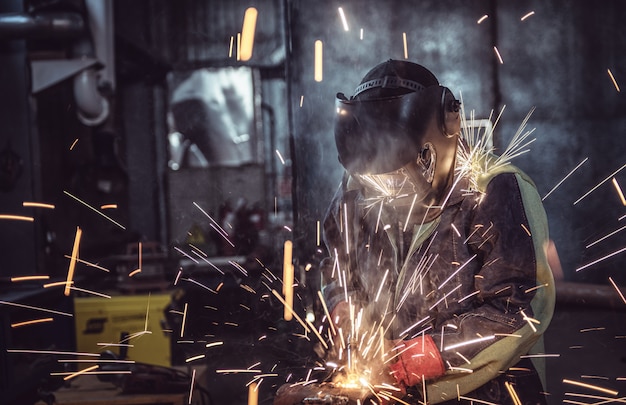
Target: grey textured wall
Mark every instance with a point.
(555, 60)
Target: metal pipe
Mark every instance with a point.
(48, 25)
(92, 106)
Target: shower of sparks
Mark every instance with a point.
(37, 205)
(406, 49)
(319, 67)
(600, 259)
(280, 157)
(592, 387)
(344, 22)
(613, 80)
(93, 209)
(29, 278)
(565, 178)
(527, 15)
(247, 33)
(72, 266)
(108, 207)
(17, 217)
(610, 176)
(481, 19)
(498, 55)
(618, 290)
(619, 191)
(74, 143)
(31, 322)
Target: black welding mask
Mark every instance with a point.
(397, 135)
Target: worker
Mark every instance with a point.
(439, 246)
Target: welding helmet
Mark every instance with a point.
(397, 134)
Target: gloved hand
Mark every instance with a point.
(419, 358)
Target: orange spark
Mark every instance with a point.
(288, 279)
(593, 387)
(319, 51)
(70, 270)
(28, 278)
(74, 144)
(17, 217)
(498, 55)
(108, 206)
(618, 290)
(247, 33)
(613, 80)
(481, 19)
(36, 204)
(406, 50)
(33, 321)
(76, 374)
(619, 191)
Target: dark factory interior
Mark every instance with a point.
(134, 243)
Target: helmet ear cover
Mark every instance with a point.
(449, 113)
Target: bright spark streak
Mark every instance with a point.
(198, 357)
(455, 273)
(382, 283)
(193, 380)
(74, 144)
(247, 33)
(132, 273)
(280, 156)
(361, 34)
(344, 22)
(345, 228)
(535, 288)
(238, 49)
(230, 46)
(599, 184)
(619, 191)
(469, 342)
(565, 178)
(288, 279)
(406, 49)
(28, 278)
(444, 297)
(498, 55)
(527, 15)
(590, 386)
(618, 290)
(530, 321)
(214, 344)
(319, 52)
(90, 292)
(406, 331)
(15, 304)
(33, 321)
(330, 321)
(526, 229)
(93, 209)
(38, 205)
(601, 259)
(542, 355)
(17, 217)
(185, 254)
(108, 207)
(88, 263)
(605, 237)
(613, 80)
(277, 295)
(481, 19)
(52, 352)
(182, 326)
(76, 374)
(605, 399)
(512, 393)
(469, 295)
(236, 370)
(72, 266)
(476, 400)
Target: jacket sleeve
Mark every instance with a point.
(514, 297)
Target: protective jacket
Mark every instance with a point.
(476, 279)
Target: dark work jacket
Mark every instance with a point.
(476, 278)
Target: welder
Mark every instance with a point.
(445, 257)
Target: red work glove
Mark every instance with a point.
(419, 358)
